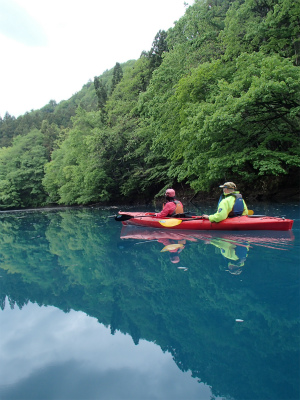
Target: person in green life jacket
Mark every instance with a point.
(235, 252)
(231, 204)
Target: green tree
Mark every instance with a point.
(238, 120)
(7, 130)
(50, 107)
(101, 92)
(51, 133)
(125, 143)
(255, 25)
(283, 23)
(22, 170)
(159, 47)
(117, 76)
(76, 174)
(198, 31)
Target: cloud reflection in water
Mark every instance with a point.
(49, 354)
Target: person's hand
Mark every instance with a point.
(205, 216)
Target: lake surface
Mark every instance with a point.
(95, 310)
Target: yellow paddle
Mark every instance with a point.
(171, 247)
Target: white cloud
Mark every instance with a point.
(58, 45)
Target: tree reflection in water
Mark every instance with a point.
(81, 260)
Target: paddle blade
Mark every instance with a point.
(169, 223)
(122, 217)
(171, 247)
(250, 212)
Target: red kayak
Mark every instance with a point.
(241, 223)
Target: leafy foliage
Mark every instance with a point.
(242, 121)
(270, 26)
(22, 170)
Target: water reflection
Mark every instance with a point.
(53, 355)
(80, 260)
(234, 247)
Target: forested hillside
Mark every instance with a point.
(216, 98)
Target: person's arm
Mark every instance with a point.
(221, 214)
(167, 210)
(245, 212)
(224, 209)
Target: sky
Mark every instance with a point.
(50, 49)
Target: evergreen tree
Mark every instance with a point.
(159, 47)
(51, 133)
(101, 93)
(7, 130)
(117, 76)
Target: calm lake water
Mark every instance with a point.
(95, 310)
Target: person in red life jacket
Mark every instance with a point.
(174, 247)
(172, 206)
